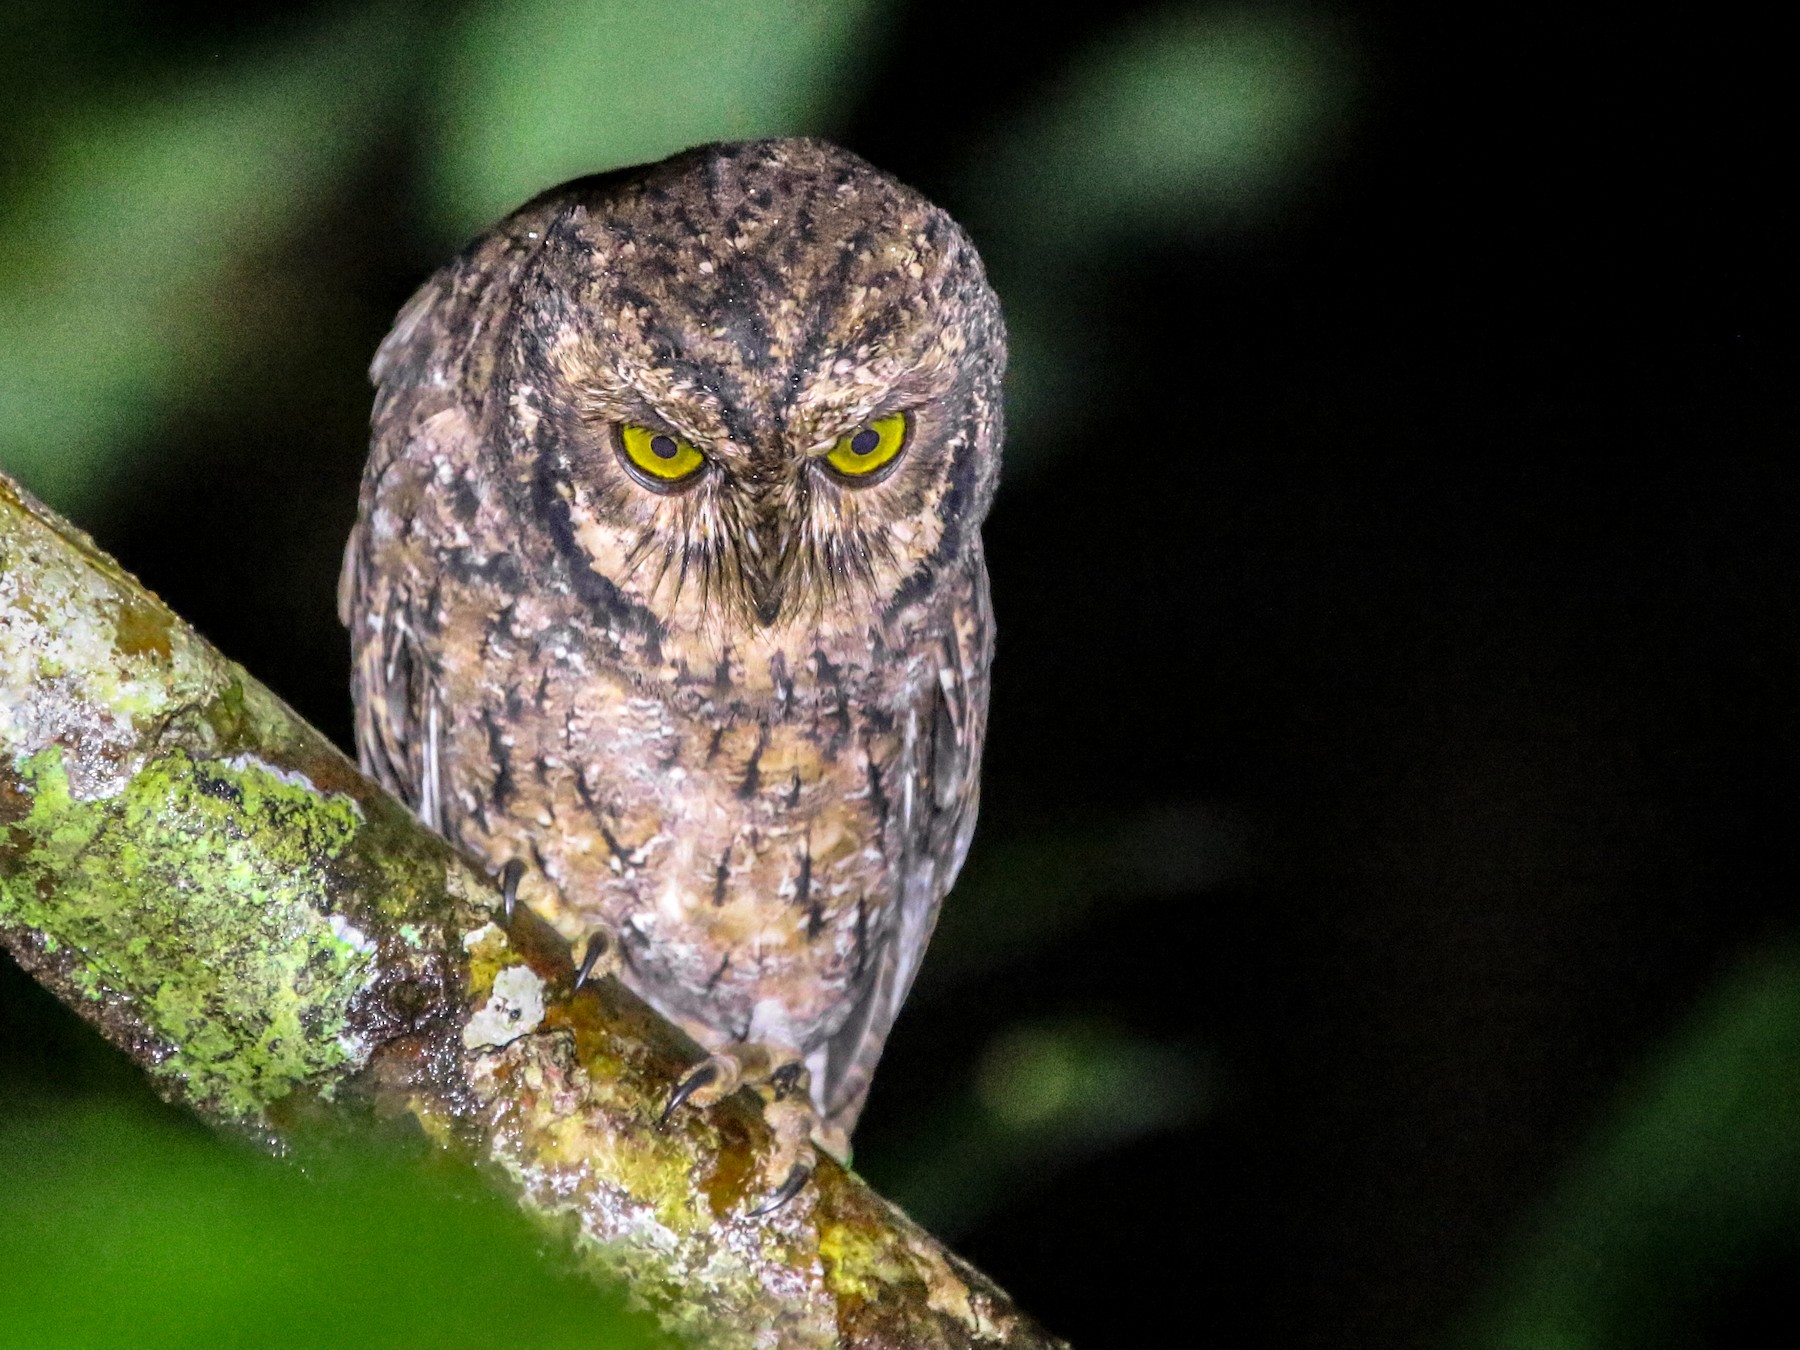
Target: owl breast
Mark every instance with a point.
(733, 832)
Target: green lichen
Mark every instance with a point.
(218, 870)
(859, 1261)
(408, 875)
(397, 871)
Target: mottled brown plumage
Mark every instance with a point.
(737, 725)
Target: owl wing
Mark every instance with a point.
(936, 793)
(431, 375)
(399, 708)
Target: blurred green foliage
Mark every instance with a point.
(540, 91)
(1182, 123)
(1187, 117)
(123, 1228)
(1694, 1180)
(1045, 1095)
(125, 285)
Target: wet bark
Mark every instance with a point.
(284, 949)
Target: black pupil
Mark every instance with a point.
(663, 447)
(865, 441)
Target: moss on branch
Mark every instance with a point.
(277, 943)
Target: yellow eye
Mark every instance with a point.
(871, 448)
(661, 460)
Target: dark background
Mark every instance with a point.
(1393, 742)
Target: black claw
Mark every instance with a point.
(596, 948)
(510, 877)
(687, 1087)
(795, 1183)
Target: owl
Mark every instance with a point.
(667, 597)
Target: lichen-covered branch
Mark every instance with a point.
(277, 942)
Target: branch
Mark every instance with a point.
(283, 947)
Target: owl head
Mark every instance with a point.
(751, 390)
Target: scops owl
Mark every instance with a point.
(667, 583)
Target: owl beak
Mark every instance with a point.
(765, 573)
(765, 597)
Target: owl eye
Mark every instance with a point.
(864, 454)
(657, 459)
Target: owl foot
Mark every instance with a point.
(786, 1091)
(788, 1112)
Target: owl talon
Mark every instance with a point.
(715, 1078)
(598, 944)
(686, 1088)
(510, 877)
(797, 1177)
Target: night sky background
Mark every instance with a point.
(1381, 931)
